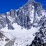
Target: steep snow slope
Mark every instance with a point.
(23, 36)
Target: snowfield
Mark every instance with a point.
(23, 36)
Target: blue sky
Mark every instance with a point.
(6, 5)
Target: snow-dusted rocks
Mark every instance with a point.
(3, 39)
(23, 24)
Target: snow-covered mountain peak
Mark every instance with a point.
(25, 16)
(31, 0)
(22, 23)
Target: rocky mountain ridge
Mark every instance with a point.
(28, 18)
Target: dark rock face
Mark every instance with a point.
(7, 39)
(37, 42)
(40, 38)
(1, 35)
(2, 21)
(44, 44)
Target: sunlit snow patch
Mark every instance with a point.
(23, 36)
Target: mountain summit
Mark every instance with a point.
(23, 23)
(26, 16)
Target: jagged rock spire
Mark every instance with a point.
(31, 0)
